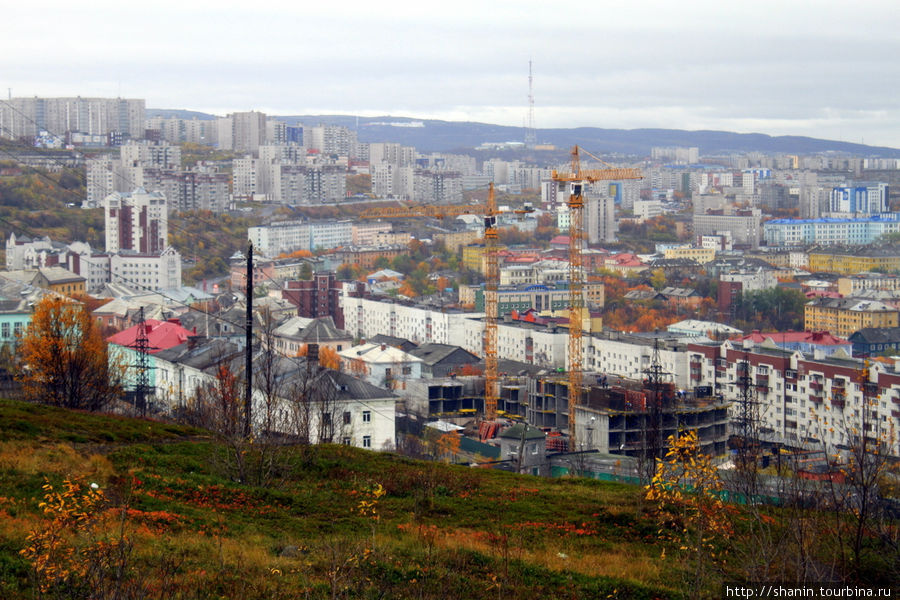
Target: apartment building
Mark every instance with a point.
(799, 399)
(849, 262)
(844, 316)
(136, 221)
(830, 231)
(24, 118)
(366, 318)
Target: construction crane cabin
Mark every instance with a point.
(577, 179)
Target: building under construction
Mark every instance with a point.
(636, 417)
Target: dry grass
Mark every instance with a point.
(619, 562)
(54, 459)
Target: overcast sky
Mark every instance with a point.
(818, 68)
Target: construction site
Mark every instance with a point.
(631, 418)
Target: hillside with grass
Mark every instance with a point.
(95, 506)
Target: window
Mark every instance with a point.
(367, 416)
(346, 417)
(345, 441)
(5, 330)
(367, 441)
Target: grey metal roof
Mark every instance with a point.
(432, 354)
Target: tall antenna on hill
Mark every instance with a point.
(530, 134)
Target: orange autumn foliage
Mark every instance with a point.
(65, 358)
(328, 357)
(470, 370)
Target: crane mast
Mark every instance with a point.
(577, 178)
(492, 277)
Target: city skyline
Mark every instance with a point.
(824, 71)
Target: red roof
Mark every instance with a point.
(161, 335)
(820, 338)
(560, 240)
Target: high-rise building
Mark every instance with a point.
(136, 221)
(600, 218)
(26, 117)
(860, 199)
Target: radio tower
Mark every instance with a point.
(530, 134)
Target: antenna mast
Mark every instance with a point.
(530, 134)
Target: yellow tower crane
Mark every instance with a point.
(492, 277)
(577, 178)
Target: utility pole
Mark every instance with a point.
(655, 374)
(248, 354)
(141, 345)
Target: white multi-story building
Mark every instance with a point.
(631, 356)
(26, 117)
(149, 271)
(146, 154)
(331, 140)
(796, 232)
(744, 225)
(325, 235)
(801, 399)
(600, 219)
(391, 153)
(861, 199)
(136, 221)
(280, 238)
(366, 233)
(365, 318)
(647, 209)
(245, 177)
(138, 271)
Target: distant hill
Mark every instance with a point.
(440, 136)
(178, 113)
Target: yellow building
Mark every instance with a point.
(847, 263)
(700, 255)
(844, 316)
(473, 257)
(848, 286)
(455, 240)
(59, 280)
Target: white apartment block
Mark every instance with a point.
(745, 226)
(679, 155)
(647, 209)
(325, 235)
(177, 131)
(26, 117)
(801, 399)
(280, 238)
(331, 140)
(146, 154)
(367, 233)
(365, 318)
(600, 219)
(753, 281)
(383, 177)
(136, 221)
(438, 187)
(101, 180)
(630, 357)
(391, 153)
(138, 271)
(200, 188)
(244, 174)
(153, 271)
(524, 342)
